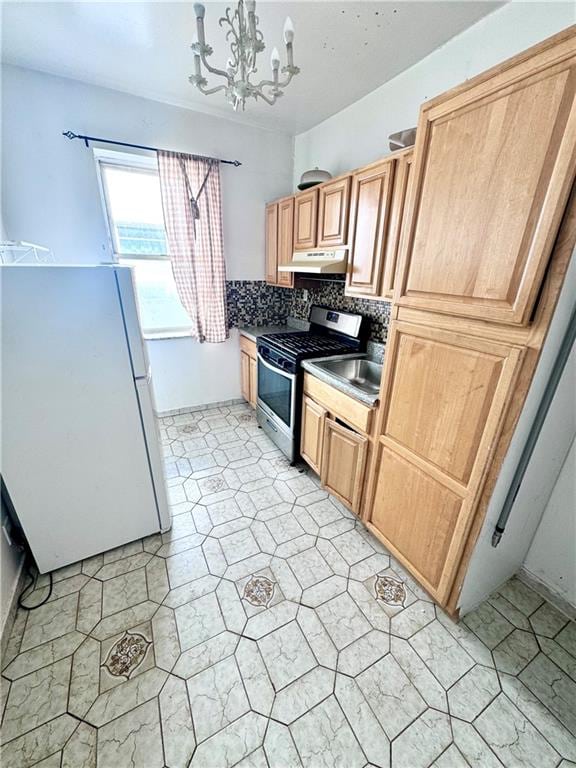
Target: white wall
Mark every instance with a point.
(50, 196)
(359, 133)
(551, 559)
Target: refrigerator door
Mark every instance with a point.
(152, 437)
(127, 292)
(75, 457)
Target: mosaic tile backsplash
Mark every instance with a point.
(253, 302)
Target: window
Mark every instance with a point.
(133, 206)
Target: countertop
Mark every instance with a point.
(329, 378)
(253, 331)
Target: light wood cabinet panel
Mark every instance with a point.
(350, 410)
(271, 243)
(305, 219)
(494, 163)
(444, 398)
(248, 370)
(253, 382)
(285, 235)
(312, 434)
(245, 375)
(333, 205)
(402, 176)
(343, 463)
(369, 214)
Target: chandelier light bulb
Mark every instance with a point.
(288, 30)
(199, 10)
(275, 59)
(250, 6)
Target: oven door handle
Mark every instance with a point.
(279, 371)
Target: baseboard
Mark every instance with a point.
(6, 629)
(203, 407)
(559, 602)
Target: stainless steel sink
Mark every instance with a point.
(359, 373)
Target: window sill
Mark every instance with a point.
(159, 335)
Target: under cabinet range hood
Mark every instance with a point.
(317, 262)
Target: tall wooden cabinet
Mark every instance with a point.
(443, 399)
(494, 163)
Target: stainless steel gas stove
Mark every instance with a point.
(280, 373)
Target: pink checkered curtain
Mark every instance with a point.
(192, 206)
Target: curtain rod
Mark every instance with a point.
(86, 139)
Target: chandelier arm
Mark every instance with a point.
(271, 100)
(211, 69)
(210, 91)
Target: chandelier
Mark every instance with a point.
(246, 42)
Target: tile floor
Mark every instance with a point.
(268, 628)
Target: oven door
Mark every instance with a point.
(277, 394)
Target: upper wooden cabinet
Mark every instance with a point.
(398, 215)
(305, 219)
(494, 163)
(333, 203)
(285, 234)
(369, 215)
(271, 242)
(279, 231)
(444, 397)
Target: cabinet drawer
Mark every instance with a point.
(248, 346)
(345, 407)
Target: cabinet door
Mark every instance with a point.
(343, 463)
(253, 376)
(305, 220)
(271, 242)
(444, 397)
(245, 376)
(312, 437)
(369, 213)
(333, 205)
(494, 163)
(402, 175)
(285, 236)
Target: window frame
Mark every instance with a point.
(143, 163)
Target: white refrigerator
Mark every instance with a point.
(80, 449)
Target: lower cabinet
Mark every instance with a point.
(312, 435)
(343, 463)
(248, 371)
(335, 451)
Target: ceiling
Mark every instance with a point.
(345, 50)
